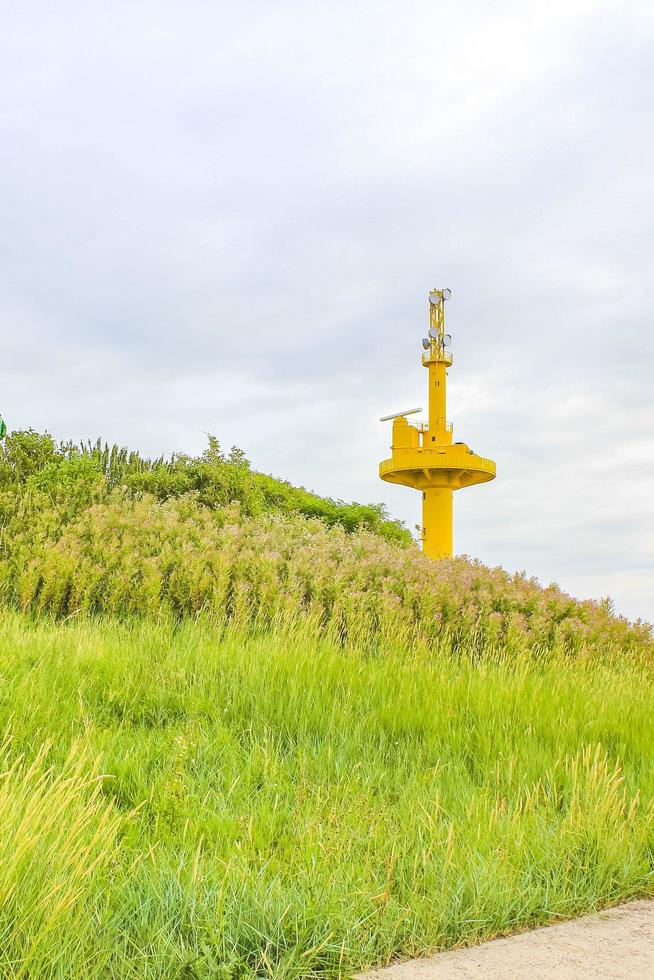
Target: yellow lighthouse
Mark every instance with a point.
(423, 454)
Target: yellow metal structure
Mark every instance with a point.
(423, 454)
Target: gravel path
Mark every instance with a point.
(614, 945)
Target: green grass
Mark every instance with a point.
(249, 732)
(177, 801)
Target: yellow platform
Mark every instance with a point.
(453, 466)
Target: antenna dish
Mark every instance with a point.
(396, 415)
(446, 293)
(447, 340)
(426, 343)
(435, 297)
(433, 332)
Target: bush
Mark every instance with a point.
(79, 474)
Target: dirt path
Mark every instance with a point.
(614, 945)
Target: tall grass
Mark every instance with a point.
(282, 806)
(103, 531)
(57, 844)
(241, 741)
(141, 557)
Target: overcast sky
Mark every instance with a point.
(226, 217)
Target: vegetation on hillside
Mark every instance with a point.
(73, 476)
(99, 531)
(249, 732)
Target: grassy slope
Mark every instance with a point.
(242, 741)
(279, 806)
(105, 531)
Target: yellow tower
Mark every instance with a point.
(423, 454)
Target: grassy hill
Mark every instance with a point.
(94, 530)
(249, 732)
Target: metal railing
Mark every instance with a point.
(424, 426)
(444, 355)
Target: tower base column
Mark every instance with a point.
(437, 523)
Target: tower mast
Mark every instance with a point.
(423, 455)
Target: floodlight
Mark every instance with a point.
(426, 343)
(435, 297)
(446, 293)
